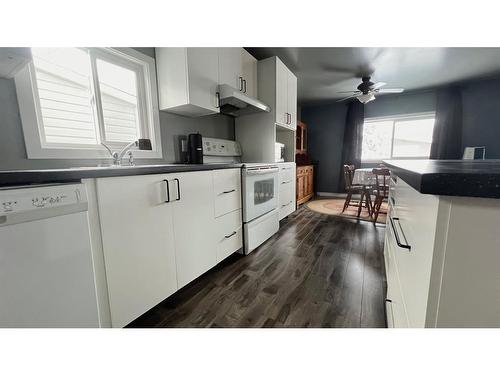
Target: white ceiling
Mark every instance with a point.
(322, 72)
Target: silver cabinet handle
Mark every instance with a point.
(167, 191)
(240, 79)
(230, 235)
(286, 182)
(245, 85)
(284, 205)
(228, 191)
(396, 235)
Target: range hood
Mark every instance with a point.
(234, 103)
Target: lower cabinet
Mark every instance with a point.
(286, 189)
(193, 221)
(160, 232)
(138, 244)
(305, 186)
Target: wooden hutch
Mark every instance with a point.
(305, 169)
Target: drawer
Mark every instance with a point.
(227, 191)
(229, 234)
(286, 202)
(287, 193)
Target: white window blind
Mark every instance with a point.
(63, 80)
(74, 100)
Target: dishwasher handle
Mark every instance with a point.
(396, 235)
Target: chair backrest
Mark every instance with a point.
(348, 175)
(382, 176)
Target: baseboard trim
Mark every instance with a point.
(328, 194)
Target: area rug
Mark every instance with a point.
(334, 207)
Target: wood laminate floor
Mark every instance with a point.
(317, 271)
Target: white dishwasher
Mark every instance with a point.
(46, 267)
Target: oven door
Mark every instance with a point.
(260, 191)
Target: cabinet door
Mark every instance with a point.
(230, 65)
(292, 99)
(138, 244)
(203, 77)
(194, 224)
(249, 70)
(281, 93)
(300, 187)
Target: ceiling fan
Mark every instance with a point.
(366, 91)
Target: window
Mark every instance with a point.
(73, 99)
(401, 137)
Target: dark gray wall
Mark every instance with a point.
(325, 134)
(13, 150)
(481, 116)
(481, 123)
(392, 105)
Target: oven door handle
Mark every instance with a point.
(252, 172)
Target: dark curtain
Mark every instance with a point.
(447, 135)
(353, 138)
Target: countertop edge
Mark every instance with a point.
(69, 175)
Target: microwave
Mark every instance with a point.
(279, 152)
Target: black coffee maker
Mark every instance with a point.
(195, 149)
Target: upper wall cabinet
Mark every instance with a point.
(286, 96)
(249, 72)
(187, 80)
(230, 67)
(189, 77)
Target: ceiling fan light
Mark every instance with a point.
(365, 98)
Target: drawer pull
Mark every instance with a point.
(393, 201)
(228, 191)
(230, 235)
(287, 204)
(286, 182)
(396, 235)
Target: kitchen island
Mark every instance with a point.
(442, 249)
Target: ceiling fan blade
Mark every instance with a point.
(390, 91)
(349, 92)
(377, 85)
(347, 97)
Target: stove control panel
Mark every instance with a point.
(220, 147)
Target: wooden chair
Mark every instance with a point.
(381, 191)
(355, 189)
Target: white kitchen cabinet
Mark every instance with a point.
(281, 98)
(258, 133)
(229, 234)
(287, 197)
(227, 191)
(138, 244)
(194, 224)
(188, 80)
(249, 71)
(231, 67)
(292, 100)
(442, 259)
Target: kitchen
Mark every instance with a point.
(175, 187)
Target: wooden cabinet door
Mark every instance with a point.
(292, 99)
(281, 93)
(249, 71)
(230, 67)
(138, 244)
(192, 194)
(300, 185)
(310, 187)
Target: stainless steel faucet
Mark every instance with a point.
(118, 155)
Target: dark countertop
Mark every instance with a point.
(45, 176)
(465, 178)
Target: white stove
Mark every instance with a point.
(260, 187)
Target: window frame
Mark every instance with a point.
(31, 116)
(394, 119)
